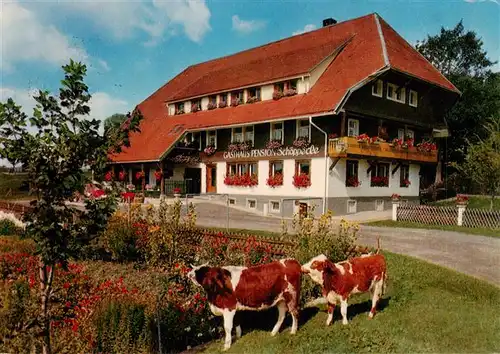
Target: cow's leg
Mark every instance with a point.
(331, 308)
(281, 317)
(343, 310)
(238, 331)
(295, 320)
(377, 291)
(228, 326)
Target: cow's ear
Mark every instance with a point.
(329, 267)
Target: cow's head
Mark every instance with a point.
(316, 267)
(197, 273)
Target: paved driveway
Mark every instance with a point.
(478, 256)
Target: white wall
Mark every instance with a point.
(267, 92)
(187, 106)
(303, 85)
(204, 103)
(287, 189)
(171, 109)
(337, 186)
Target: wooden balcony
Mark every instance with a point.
(349, 146)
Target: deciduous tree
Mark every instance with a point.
(64, 142)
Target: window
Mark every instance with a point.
(413, 101)
(351, 175)
(377, 88)
(404, 176)
(212, 101)
(237, 96)
(396, 93)
(291, 85)
(275, 167)
(279, 87)
(351, 206)
(232, 201)
(255, 93)
(380, 175)
(242, 134)
(303, 167)
(379, 205)
(193, 140)
(249, 133)
(303, 128)
(195, 105)
(277, 132)
(251, 203)
(409, 134)
(179, 108)
(223, 98)
(352, 127)
(274, 206)
(212, 138)
(241, 169)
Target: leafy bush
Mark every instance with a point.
(9, 228)
(120, 240)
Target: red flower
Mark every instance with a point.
(275, 181)
(158, 174)
(140, 175)
(66, 285)
(378, 181)
(244, 180)
(122, 175)
(301, 181)
(353, 182)
(109, 176)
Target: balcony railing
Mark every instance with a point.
(349, 146)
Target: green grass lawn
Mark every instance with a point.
(468, 230)
(10, 186)
(427, 308)
(474, 203)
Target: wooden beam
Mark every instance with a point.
(334, 163)
(395, 169)
(343, 122)
(372, 164)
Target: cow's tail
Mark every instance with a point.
(316, 302)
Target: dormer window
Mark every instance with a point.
(212, 102)
(291, 85)
(223, 100)
(236, 98)
(253, 95)
(413, 100)
(179, 108)
(195, 106)
(378, 88)
(396, 93)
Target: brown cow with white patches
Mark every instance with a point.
(251, 288)
(343, 279)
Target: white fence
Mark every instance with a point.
(446, 215)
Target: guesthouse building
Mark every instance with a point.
(342, 117)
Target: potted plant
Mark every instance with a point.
(406, 183)
(290, 92)
(195, 108)
(301, 142)
(397, 142)
(274, 144)
(462, 199)
(301, 181)
(236, 102)
(177, 192)
(109, 176)
(363, 138)
(140, 175)
(246, 145)
(209, 150)
(122, 175)
(395, 197)
(222, 104)
(233, 147)
(158, 175)
(277, 95)
(131, 187)
(353, 181)
(212, 105)
(275, 181)
(252, 99)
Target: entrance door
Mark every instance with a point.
(192, 176)
(211, 179)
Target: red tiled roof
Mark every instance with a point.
(361, 57)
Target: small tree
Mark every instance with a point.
(55, 156)
(482, 162)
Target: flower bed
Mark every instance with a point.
(301, 181)
(242, 181)
(275, 181)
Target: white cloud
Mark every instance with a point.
(26, 38)
(102, 105)
(307, 28)
(124, 19)
(474, 1)
(104, 64)
(246, 26)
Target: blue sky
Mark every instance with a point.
(132, 48)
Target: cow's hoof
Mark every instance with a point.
(293, 332)
(345, 323)
(226, 348)
(273, 333)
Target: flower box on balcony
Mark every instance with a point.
(236, 102)
(209, 150)
(353, 182)
(233, 147)
(241, 181)
(211, 106)
(363, 139)
(405, 183)
(301, 142)
(222, 104)
(290, 92)
(252, 99)
(195, 108)
(274, 144)
(277, 95)
(275, 181)
(302, 181)
(426, 146)
(380, 181)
